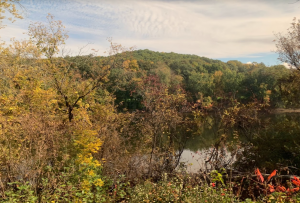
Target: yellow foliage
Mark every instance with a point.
(85, 185)
(87, 143)
(126, 64)
(10, 6)
(48, 37)
(218, 73)
(134, 65)
(131, 64)
(91, 173)
(98, 182)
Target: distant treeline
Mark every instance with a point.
(204, 80)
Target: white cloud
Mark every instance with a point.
(216, 29)
(10, 32)
(288, 66)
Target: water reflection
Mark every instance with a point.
(275, 144)
(194, 161)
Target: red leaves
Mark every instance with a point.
(271, 188)
(296, 181)
(259, 176)
(290, 191)
(280, 188)
(272, 175)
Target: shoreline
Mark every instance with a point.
(282, 110)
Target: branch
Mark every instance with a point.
(61, 93)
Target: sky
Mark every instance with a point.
(241, 30)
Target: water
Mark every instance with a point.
(274, 145)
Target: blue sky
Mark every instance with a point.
(220, 29)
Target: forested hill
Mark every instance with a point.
(154, 56)
(203, 79)
(194, 62)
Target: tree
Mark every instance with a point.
(48, 37)
(288, 46)
(64, 77)
(159, 126)
(10, 6)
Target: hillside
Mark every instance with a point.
(202, 78)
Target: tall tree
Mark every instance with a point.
(48, 37)
(288, 46)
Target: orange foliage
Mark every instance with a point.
(272, 175)
(259, 176)
(296, 181)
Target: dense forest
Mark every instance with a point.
(112, 128)
(204, 80)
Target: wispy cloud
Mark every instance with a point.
(211, 28)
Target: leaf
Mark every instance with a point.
(296, 181)
(272, 175)
(259, 176)
(271, 188)
(280, 189)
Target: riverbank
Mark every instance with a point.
(282, 110)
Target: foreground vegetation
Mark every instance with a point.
(112, 129)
